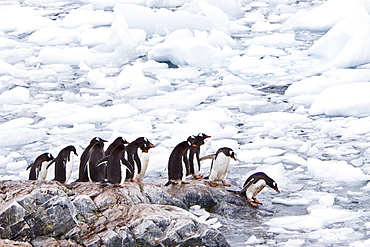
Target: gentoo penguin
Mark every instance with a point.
(194, 155)
(220, 165)
(114, 144)
(133, 156)
(254, 185)
(178, 163)
(96, 153)
(38, 169)
(64, 164)
(144, 159)
(118, 166)
(82, 170)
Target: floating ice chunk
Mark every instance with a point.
(335, 171)
(291, 201)
(21, 136)
(252, 240)
(87, 15)
(22, 19)
(260, 154)
(258, 50)
(345, 44)
(279, 117)
(66, 55)
(17, 95)
(321, 18)
(218, 18)
(53, 35)
(343, 100)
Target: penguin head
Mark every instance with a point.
(192, 141)
(273, 185)
(49, 157)
(72, 149)
(95, 140)
(204, 136)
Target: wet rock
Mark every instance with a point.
(10, 243)
(47, 213)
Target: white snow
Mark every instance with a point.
(283, 83)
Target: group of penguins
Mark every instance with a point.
(126, 161)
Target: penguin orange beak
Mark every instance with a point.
(207, 136)
(277, 190)
(193, 145)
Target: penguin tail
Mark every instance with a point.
(234, 191)
(168, 183)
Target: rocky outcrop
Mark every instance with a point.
(47, 213)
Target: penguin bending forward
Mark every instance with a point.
(38, 169)
(64, 164)
(117, 166)
(178, 163)
(194, 155)
(220, 165)
(254, 185)
(82, 170)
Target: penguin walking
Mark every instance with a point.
(96, 153)
(64, 164)
(144, 159)
(38, 169)
(133, 156)
(254, 185)
(117, 166)
(82, 170)
(220, 165)
(179, 162)
(194, 155)
(114, 144)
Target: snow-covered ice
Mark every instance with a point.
(284, 83)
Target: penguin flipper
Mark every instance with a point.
(168, 183)
(211, 156)
(53, 161)
(29, 166)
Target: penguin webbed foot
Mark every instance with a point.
(184, 182)
(256, 201)
(254, 204)
(198, 176)
(213, 184)
(226, 184)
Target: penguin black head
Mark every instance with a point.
(204, 136)
(228, 152)
(95, 140)
(269, 181)
(71, 149)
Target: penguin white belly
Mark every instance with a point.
(183, 171)
(254, 189)
(69, 166)
(196, 166)
(123, 173)
(220, 168)
(43, 171)
(144, 165)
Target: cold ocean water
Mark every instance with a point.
(284, 83)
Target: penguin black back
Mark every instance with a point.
(133, 155)
(178, 162)
(96, 153)
(114, 144)
(194, 154)
(254, 178)
(36, 165)
(115, 166)
(82, 170)
(63, 160)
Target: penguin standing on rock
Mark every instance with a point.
(179, 162)
(38, 169)
(220, 165)
(144, 159)
(96, 153)
(133, 155)
(64, 164)
(117, 166)
(254, 185)
(82, 171)
(194, 155)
